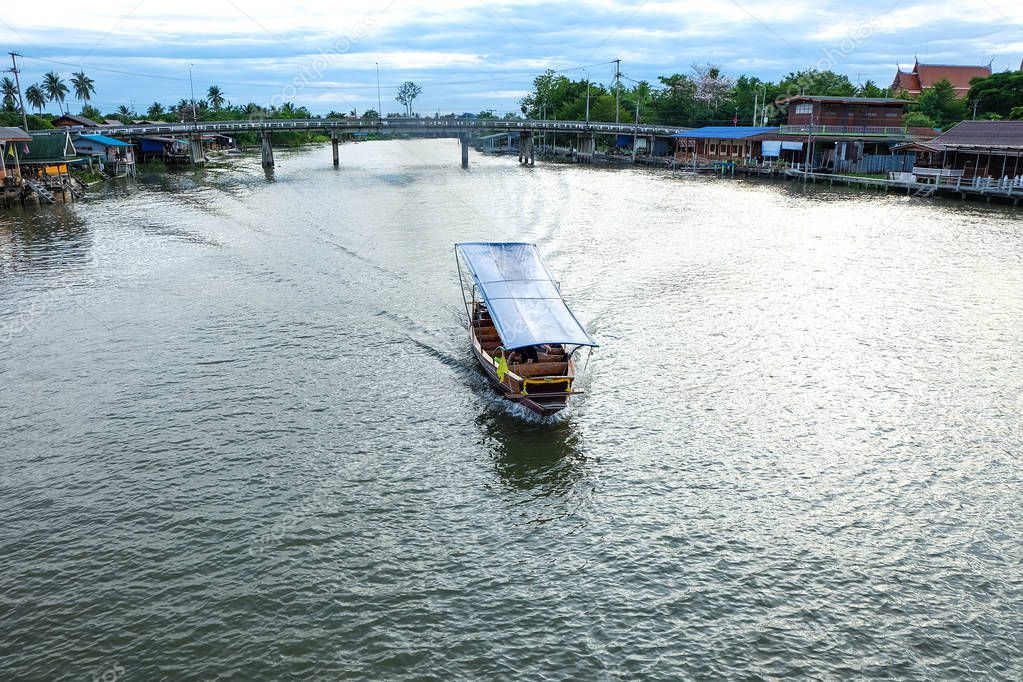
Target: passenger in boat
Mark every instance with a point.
(530, 354)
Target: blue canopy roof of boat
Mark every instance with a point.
(521, 295)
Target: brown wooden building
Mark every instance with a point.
(849, 112)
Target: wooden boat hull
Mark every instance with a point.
(543, 395)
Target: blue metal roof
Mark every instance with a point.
(521, 295)
(104, 140)
(725, 132)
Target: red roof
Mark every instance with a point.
(927, 75)
(906, 80)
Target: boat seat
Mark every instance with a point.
(487, 334)
(539, 369)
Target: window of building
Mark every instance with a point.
(714, 149)
(804, 108)
(871, 114)
(892, 114)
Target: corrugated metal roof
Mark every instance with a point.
(983, 134)
(104, 140)
(847, 100)
(14, 134)
(49, 148)
(77, 120)
(724, 132)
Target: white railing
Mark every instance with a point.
(369, 125)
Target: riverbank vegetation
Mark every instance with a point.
(705, 95)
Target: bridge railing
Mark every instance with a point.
(386, 125)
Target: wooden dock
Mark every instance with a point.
(1008, 189)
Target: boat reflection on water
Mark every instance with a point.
(543, 460)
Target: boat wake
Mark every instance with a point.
(519, 412)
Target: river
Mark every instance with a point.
(244, 436)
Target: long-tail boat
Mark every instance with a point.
(521, 330)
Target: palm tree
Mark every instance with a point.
(36, 97)
(155, 110)
(84, 86)
(9, 92)
(125, 114)
(216, 97)
(55, 89)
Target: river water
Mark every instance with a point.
(244, 436)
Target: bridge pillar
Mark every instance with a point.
(526, 153)
(333, 145)
(268, 151)
(586, 145)
(195, 150)
(463, 141)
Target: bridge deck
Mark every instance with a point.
(383, 126)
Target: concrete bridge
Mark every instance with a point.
(462, 128)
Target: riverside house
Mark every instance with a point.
(115, 158)
(848, 134)
(976, 149)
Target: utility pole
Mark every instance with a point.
(618, 84)
(975, 103)
(587, 96)
(756, 97)
(14, 70)
(380, 114)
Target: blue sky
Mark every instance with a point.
(470, 55)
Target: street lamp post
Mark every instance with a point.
(587, 96)
(380, 114)
(191, 89)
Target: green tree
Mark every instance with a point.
(90, 112)
(749, 91)
(999, 93)
(55, 89)
(84, 86)
(371, 113)
(1016, 114)
(940, 104)
(36, 97)
(155, 111)
(675, 102)
(215, 97)
(9, 91)
(814, 82)
(871, 89)
(407, 94)
(124, 114)
(915, 119)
